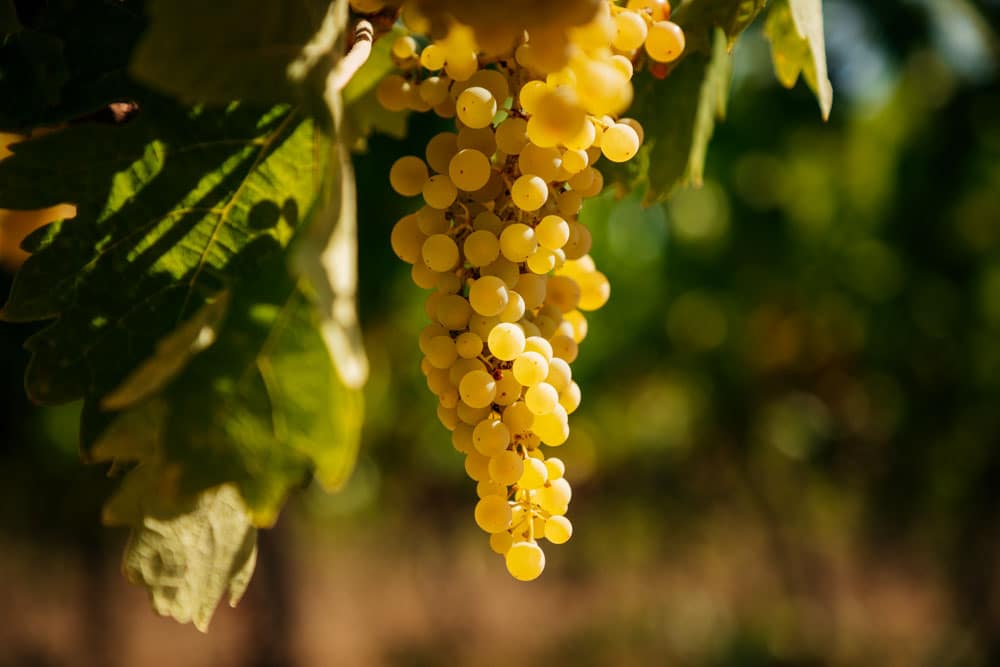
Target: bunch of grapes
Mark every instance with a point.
(498, 243)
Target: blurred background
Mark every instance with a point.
(788, 451)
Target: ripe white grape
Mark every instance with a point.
(517, 242)
(506, 341)
(555, 467)
(432, 57)
(530, 368)
(541, 398)
(506, 468)
(558, 530)
(439, 253)
(408, 175)
(488, 295)
(470, 169)
(490, 437)
(441, 352)
(620, 143)
(501, 542)
(493, 514)
(508, 389)
(534, 475)
(477, 389)
(476, 107)
(525, 561)
(512, 135)
(518, 418)
(529, 192)
(439, 192)
(665, 41)
(453, 311)
(468, 345)
(630, 31)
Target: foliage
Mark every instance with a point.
(201, 302)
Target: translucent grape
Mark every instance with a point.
(525, 561)
(541, 399)
(493, 514)
(490, 437)
(506, 468)
(488, 295)
(440, 149)
(476, 107)
(512, 135)
(535, 474)
(529, 192)
(439, 192)
(439, 252)
(517, 242)
(665, 41)
(441, 352)
(432, 57)
(530, 368)
(408, 175)
(477, 389)
(407, 240)
(620, 143)
(558, 530)
(555, 467)
(630, 31)
(501, 542)
(470, 169)
(453, 311)
(506, 341)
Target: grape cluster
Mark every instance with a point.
(499, 244)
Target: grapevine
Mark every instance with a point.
(498, 242)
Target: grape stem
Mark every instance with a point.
(364, 34)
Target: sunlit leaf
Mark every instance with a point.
(795, 30)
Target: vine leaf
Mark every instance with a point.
(217, 52)
(187, 557)
(700, 18)
(795, 30)
(677, 140)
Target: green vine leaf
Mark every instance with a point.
(188, 557)
(795, 30)
(676, 143)
(700, 18)
(217, 52)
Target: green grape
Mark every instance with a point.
(565, 347)
(469, 345)
(665, 41)
(574, 161)
(476, 107)
(488, 295)
(559, 374)
(490, 437)
(517, 242)
(525, 561)
(541, 398)
(493, 514)
(506, 341)
(501, 542)
(635, 125)
(470, 169)
(620, 143)
(440, 253)
(534, 476)
(506, 468)
(530, 96)
(439, 192)
(460, 65)
(530, 368)
(477, 389)
(408, 175)
(558, 530)
(630, 31)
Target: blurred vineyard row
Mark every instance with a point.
(787, 450)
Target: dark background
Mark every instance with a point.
(788, 451)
